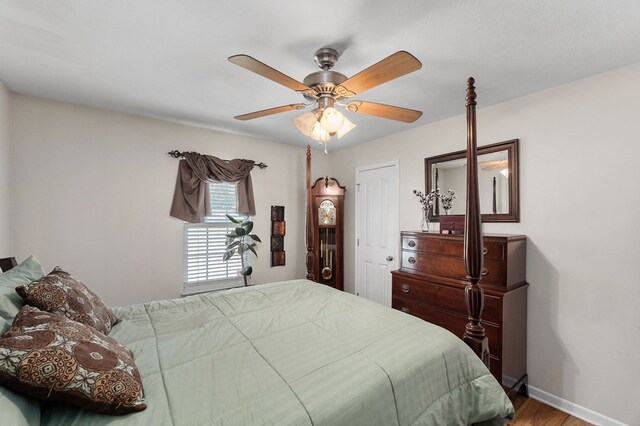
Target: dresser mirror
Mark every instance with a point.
(498, 181)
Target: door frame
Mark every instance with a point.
(396, 226)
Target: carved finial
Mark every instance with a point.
(308, 152)
(471, 91)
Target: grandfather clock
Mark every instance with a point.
(328, 205)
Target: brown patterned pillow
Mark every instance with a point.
(50, 357)
(60, 292)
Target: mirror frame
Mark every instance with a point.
(511, 146)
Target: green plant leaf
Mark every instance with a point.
(228, 255)
(254, 237)
(233, 244)
(253, 250)
(247, 270)
(248, 226)
(232, 219)
(232, 235)
(241, 250)
(240, 231)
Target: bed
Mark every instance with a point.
(298, 353)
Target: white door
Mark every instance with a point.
(377, 232)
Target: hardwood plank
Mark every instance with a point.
(530, 412)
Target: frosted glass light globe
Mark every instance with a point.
(331, 120)
(305, 122)
(346, 127)
(319, 134)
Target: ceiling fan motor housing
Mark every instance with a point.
(326, 58)
(323, 82)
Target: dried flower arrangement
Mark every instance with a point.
(428, 201)
(447, 200)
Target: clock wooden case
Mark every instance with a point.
(328, 207)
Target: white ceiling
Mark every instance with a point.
(168, 58)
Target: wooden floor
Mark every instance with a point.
(530, 412)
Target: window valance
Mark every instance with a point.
(195, 171)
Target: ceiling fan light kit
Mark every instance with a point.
(319, 133)
(346, 127)
(331, 120)
(327, 88)
(305, 122)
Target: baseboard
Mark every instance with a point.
(573, 409)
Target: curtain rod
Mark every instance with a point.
(177, 154)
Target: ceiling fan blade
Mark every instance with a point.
(394, 66)
(270, 111)
(246, 61)
(391, 112)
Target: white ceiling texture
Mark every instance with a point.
(168, 58)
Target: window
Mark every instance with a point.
(204, 245)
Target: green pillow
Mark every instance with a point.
(16, 409)
(10, 303)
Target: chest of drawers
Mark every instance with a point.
(430, 284)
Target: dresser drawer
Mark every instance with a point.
(444, 297)
(492, 250)
(451, 267)
(453, 322)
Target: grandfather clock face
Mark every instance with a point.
(327, 213)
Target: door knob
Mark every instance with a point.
(389, 258)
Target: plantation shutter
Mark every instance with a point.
(204, 243)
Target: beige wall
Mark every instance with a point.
(93, 191)
(580, 204)
(5, 174)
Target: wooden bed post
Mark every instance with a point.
(474, 334)
(309, 240)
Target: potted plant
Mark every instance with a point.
(241, 240)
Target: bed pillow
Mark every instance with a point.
(48, 356)
(60, 292)
(22, 274)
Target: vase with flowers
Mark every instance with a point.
(446, 201)
(428, 201)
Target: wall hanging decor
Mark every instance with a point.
(278, 229)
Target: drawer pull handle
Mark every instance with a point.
(485, 250)
(405, 288)
(411, 243)
(412, 260)
(405, 310)
(484, 272)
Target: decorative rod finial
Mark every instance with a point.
(308, 152)
(175, 153)
(471, 91)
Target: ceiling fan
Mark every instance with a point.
(326, 89)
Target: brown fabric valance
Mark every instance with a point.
(190, 199)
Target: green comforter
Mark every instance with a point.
(295, 353)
